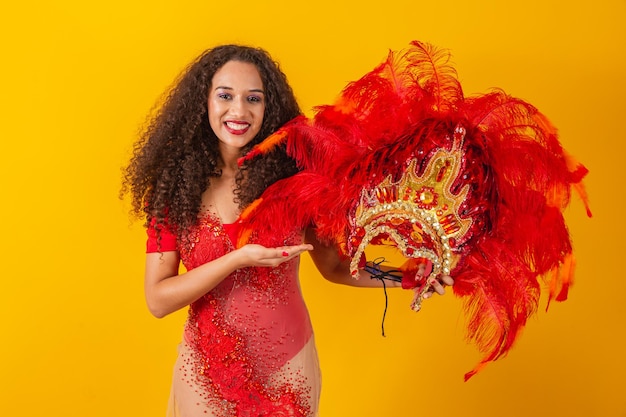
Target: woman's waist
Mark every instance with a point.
(271, 335)
(286, 320)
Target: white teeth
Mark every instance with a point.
(237, 126)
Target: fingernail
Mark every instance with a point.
(285, 253)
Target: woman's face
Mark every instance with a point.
(236, 105)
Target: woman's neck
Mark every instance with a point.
(228, 171)
(228, 159)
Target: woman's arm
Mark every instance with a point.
(334, 269)
(167, 291)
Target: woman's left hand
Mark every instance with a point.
(435, 285)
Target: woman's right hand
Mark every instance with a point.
(258, 255)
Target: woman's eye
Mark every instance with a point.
(254, 99)
(224, 96)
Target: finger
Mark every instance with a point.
(447, 280)
(286, 253)
(273, 256)
(436, 285)
(296, 248)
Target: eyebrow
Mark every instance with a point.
(254, 90)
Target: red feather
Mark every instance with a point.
(408, 108)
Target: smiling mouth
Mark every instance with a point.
(237, 128)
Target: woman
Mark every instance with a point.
(248, 346)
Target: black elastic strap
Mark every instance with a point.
(373, 268)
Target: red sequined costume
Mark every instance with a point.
(248, 347)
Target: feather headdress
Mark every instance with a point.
(476, 185)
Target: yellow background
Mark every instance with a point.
(77, 80)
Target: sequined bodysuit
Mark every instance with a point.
(248, 347)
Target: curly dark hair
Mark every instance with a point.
(177, 153)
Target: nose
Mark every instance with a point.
(238, 106)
